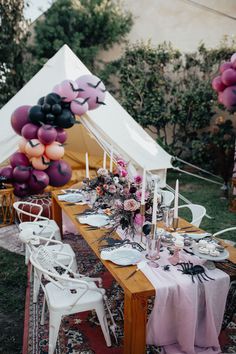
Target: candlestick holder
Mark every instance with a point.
(175, 223)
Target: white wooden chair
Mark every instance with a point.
(224, 230)
(67, 293)
(46, 225)
(167, 197)
(198, 212)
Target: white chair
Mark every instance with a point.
(167, 197)
(198, 212)
(63, 252)
(66, 294)
(46, 225)
(223, 231)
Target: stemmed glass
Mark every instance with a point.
(153, 247)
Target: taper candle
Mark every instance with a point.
(143, 187)
(87, 165)
(154, 206)
(176, 203)
(111, 158)
(104, 159)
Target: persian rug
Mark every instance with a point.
(81, 333)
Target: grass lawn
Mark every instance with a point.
(13, 269)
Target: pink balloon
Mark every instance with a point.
(233, 58)
(19, 118)
(21, 174)
(22, 144)
(225, 66)
(47, 134)
(38, 181)
(217, 84)
(69, 90)
(229, 98)
(29, 131)
(94, 90)
(220, 97)
(229, 77)
(59, 173)
(61, 135)
(34, 148)
(54, 151)
(79, 106)
(21, 189)
(40, 163)
(6, 171)
(57, 89)
(19, 159)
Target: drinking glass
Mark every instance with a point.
(153, 250)
(168, 215)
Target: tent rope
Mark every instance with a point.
(184, 199)
(193, 174)
(197, 168)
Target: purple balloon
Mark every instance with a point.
(68, 90)
(38, 181)
(29, 131)
(21, 174)
(19, 159)
(229, 98)
(19, 118)
(217, 84)
(61, 135)
(6, 171)
(59, 173)
(47, 134)
(225, 66)
(79, 106)
(21, 189)
(229, 77)
(94, 90)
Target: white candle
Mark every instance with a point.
(111, 158)
(104, 159)
(87, 165)
(154, 206)
(143, 187)
(176, 199)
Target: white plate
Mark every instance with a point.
(122, 256)
(71, 197)
(98, 220)
(223, 255)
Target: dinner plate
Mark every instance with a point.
(122, 256)
(223, 255)
(71, 197)
(98, 220)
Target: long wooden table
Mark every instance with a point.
(137, 289)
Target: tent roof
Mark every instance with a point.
(110, 123)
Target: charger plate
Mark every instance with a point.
(98, 220)
(122, 256)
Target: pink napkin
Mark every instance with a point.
(186, 317)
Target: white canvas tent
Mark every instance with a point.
(109, 125)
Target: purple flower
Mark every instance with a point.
(139, 195)
(112, 188)
(138, 179)
(131, 205)
(139, 219)
(121, 163)
(118, 204)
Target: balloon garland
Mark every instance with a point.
(225, 84)
(38, 163)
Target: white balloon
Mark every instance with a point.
(233, 58)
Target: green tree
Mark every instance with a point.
(87, 26)
(13, 34)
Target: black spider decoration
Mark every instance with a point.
(198, 270)
(166, 267)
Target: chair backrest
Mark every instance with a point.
(224, 230)
(34, 212)
(198, 212)
(167, 197)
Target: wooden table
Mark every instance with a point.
(137, 289)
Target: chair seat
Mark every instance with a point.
(62, 258)
(64, 299)
(37, 229)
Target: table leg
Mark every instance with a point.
(135, 319)
(57, 213)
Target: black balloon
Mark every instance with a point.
(36, 115)
(46, 108)
(52, 98)
(41, 101)
(66, 105)
(56, 109)
(147, 229)
(50, 119)
(65, 120)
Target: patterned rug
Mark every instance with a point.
(81, 333)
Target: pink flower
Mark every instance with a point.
(105, 187)
(139, 219)
(138, 179)
(118, 204)
(131, 205)
(121, 163)
(99, 190)
(112, 189)
(139, 195)
(123, 172)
